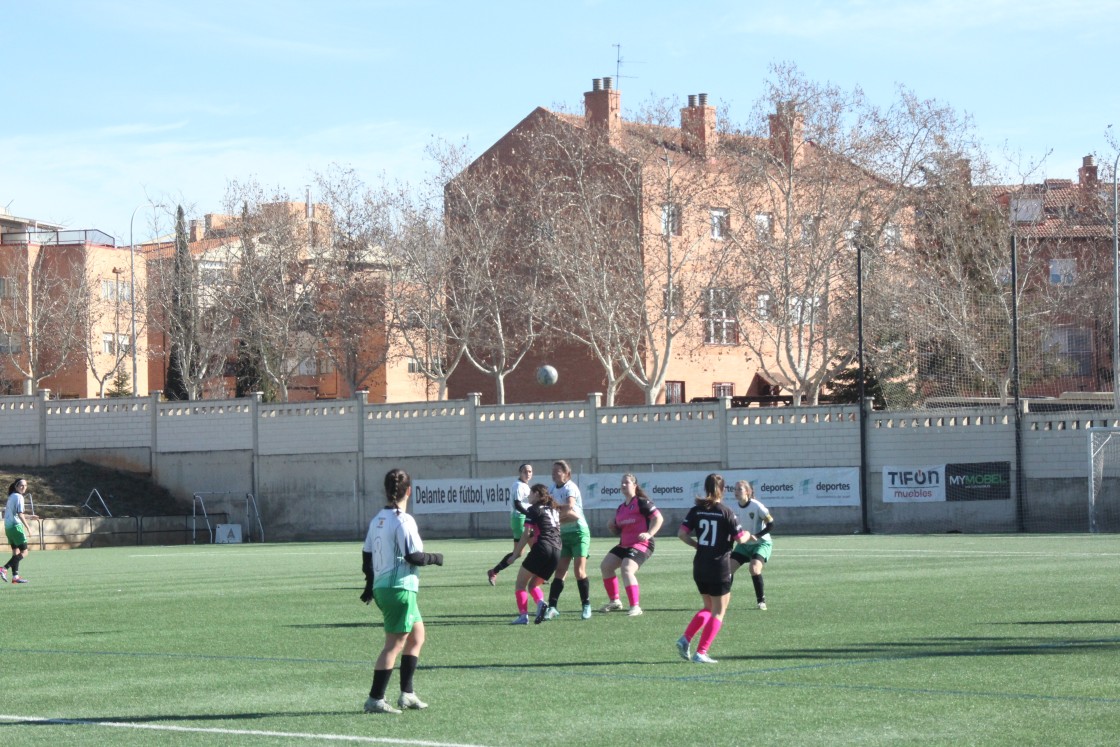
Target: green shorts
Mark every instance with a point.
(16, 536)
(398, 607)
(575, 542)
(745, 552)
(517, 525)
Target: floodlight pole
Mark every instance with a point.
(132, 295)
(1115, 293)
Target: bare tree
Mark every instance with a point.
(187, 298)
(275, 281)
(44, 298)
(352, 309)
(492, 227)
(105, 351)
(818, 171)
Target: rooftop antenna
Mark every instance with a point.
(618, 63)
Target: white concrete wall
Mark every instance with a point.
(337, 452)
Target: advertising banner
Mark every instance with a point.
(969, 481)
(807, 487)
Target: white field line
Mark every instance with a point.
(234, 732)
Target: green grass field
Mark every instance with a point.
(900, 640)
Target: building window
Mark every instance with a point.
(803, 311)
(721, 223)
(111, 344)
(763, 226)
(7, 287)
(671, 301)
(1073, 346)
(10, 344)
(852, 234)
(763, 308)
(674, 392)
(116, 290)
(211, 273)
(892, 237)
(671, 219)
(721, 327)
(723, 389)
(1063, 271)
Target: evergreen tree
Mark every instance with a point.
(121, 386)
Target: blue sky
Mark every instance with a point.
(112, 102)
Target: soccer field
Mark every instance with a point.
(869, 640)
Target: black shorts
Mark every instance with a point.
(632, 553)
(714, 580)
(542, 560)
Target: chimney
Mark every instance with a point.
(698, 126)
(603, 109)
(787, 131)
(1087, 174)
(195, 231)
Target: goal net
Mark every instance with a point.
(1104, 479)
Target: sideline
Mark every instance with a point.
(231, 732)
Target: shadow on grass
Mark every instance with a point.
(949, 647)
(159, 718)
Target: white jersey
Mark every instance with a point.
(754, 516)
(393, 535)
(15, 507)
(568, 495)
(519, 496)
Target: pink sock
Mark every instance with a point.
(698, 621)
(522, 598)
(711, 630)
(633, 594)
(611, 585)
(538, 595)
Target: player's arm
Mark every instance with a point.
(523, 541)
(654, 520)
(766, 527)
(424, 558)
(684, 534)
(520, 506)
(367, 571)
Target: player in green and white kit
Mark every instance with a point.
(756, 519)
(392, 552)
(575, 540)
(17, 530)
(519, 507)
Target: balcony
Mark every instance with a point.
(59, 238)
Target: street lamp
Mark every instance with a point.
(132, 295)
(1115, 293)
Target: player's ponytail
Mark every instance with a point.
(397, 483)
(713, 486)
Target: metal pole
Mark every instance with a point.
(1015, 382)
(132, 295)
(864, 405)
(1115, 294)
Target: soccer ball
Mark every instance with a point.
(547, 376)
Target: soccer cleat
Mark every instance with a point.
(542, 613)
(409, 700)
(634, 611)
(551, 613)
(492, 577)
(521, 620)
(4, 574)
(682, 648)
(612, 606)
(699, 658)
(379, 706)
(762, 606)
(19, 580)
(586, 613)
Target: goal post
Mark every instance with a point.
(1104, 479)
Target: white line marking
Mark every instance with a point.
(234, 732)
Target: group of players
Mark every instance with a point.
(549, 520)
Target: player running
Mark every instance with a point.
(712, 529)
(756, 519)
(519, 507)
(636, 521)
(542, 534)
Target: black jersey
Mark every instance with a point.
(716, 530)
(546, 525)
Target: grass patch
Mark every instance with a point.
(880, 640)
